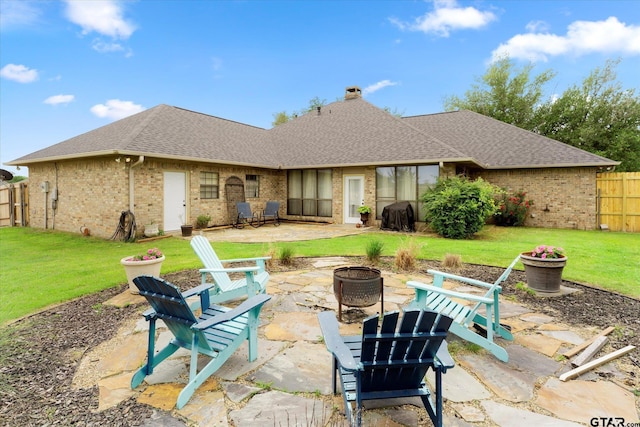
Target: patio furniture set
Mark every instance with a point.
(389, 359)
(247, 216)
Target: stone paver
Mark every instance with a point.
(543, 344)
(297, 368)
(506, 383)
(294, 327)
(580, 401)
(114, 390)
(508, 416)
(206, 409)
(275, 408)
(469, 413)
(238, 392)
(460, 386)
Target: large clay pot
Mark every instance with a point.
(138, 268)
(543, 275)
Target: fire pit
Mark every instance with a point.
(357, 287)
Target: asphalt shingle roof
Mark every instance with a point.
(499, 145)
(343, 133)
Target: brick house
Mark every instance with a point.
(168, 165)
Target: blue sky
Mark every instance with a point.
(67, 67)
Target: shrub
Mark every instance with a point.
(512, 210)
(451, 261)
(271, 252)
(374, 250)
(406, 255)
(286, 255)
(457, 208)
(202, 221)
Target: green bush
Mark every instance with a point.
(512, 210)
(374, 250)
(457, 208)
(286, 255)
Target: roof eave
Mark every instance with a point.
(92, 154)
(383, 163)
(554, 165)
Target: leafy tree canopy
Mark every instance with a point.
(282, 116)
(504, 93)
(598, 116)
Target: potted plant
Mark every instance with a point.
(203, 221)
(187, 229)
(364, 212)
(149, 263)
(543, 267)
(151, 230)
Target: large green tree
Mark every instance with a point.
(504, 93)
(282, 116)
(599, 116)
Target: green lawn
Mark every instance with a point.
(39, 268)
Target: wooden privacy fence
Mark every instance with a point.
(618, 201)
(14, 211)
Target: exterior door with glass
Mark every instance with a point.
(353, 198)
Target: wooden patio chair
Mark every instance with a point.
(246, 216)
(270, 213)
(465, 309)
(223, 287)
(391, 361)
(216, 333)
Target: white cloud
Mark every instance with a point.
(101, 16)
(19, 73)
(537, 26)
(377, 86)
(18, 14)
(100, 46)
(59, 99)
(446, 17)
(116, 109)
(583, 37)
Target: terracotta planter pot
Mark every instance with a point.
(134, 269)
(543, 275)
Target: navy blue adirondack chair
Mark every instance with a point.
(216, 333)
(390, 361)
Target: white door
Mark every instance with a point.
(175, 200)
(353, 198)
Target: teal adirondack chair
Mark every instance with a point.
(216, 333)
(434, 297)
(391, 361)
(225, 289)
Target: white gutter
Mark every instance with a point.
(131, 182)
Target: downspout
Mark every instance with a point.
(131, 181)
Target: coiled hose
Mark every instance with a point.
(126, 229)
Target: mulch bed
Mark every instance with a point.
(39, 354)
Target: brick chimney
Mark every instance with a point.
(352, 92)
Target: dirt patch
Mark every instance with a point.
(40, 354)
